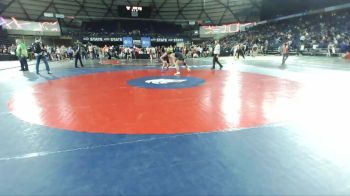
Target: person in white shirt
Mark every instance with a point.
(90, 51)
(330, 49)
(216, 55)
(153, 52)
(210, 49)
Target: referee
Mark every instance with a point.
(216, 55)
(77, 54)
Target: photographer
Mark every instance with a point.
(40, 53)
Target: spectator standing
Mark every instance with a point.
(285, 52)
(40, 53)
(22, 54)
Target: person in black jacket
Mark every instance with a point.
(40, 53)
(77, 54)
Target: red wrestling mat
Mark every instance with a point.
(347, 56)
(106, 103)
(110, 62)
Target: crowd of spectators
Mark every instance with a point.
(329, 32)
(7, 46)
(90, 51)
(128, 28)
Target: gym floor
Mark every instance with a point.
(126, 128)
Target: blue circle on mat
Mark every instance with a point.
(166, 82)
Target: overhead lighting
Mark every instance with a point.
(59, 15)
(49, 15)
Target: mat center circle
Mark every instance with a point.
(166, 82)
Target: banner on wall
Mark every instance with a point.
(120, 39)
(210, 31)
(14, 26)
(145, 42)
(127, 42)
(103, 39)
(164, 39)
(137, 42)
